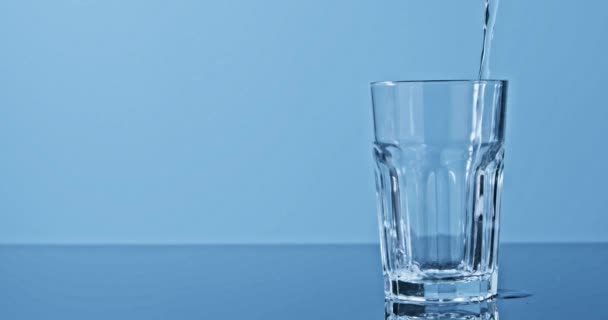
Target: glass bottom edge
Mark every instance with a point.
(466, 290)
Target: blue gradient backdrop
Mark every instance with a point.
(249, 121)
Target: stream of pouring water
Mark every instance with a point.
(488, 33)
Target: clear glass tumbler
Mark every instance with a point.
(438, 149)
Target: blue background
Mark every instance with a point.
(249, 121)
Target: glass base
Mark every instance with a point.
(462, 290)
(485, 310)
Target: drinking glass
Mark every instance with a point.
(438, 150)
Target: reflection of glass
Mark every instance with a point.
(485, 310)
(439, 159)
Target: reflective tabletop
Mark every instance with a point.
(537, 281)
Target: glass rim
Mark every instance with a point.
(471, 81)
